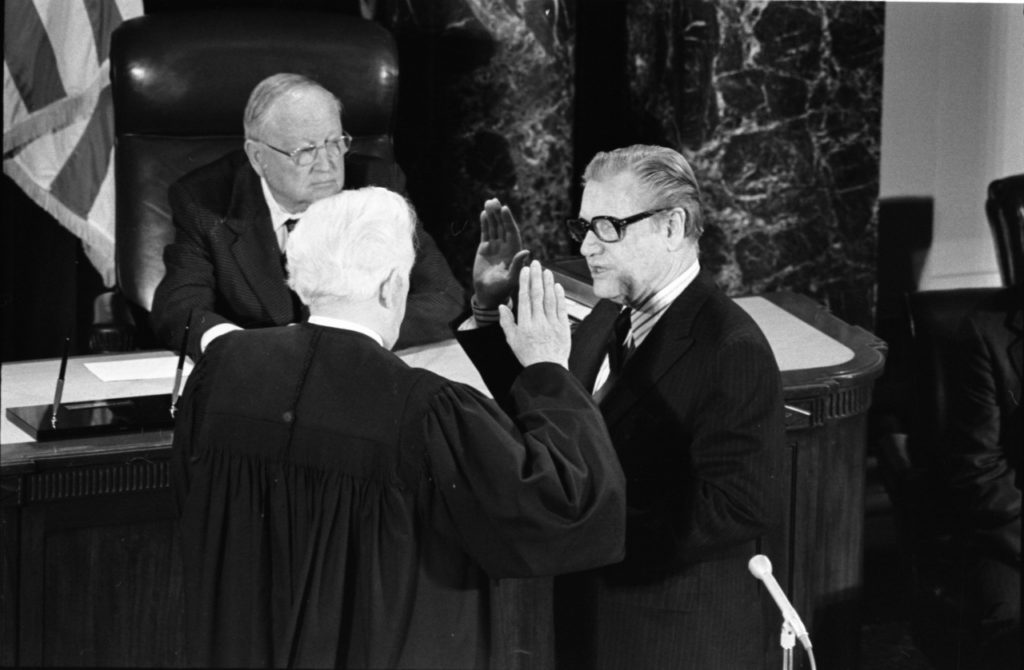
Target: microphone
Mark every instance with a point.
(761, 568)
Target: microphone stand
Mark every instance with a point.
(787, 640)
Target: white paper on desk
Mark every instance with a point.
(159, 367)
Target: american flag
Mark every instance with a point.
(58, 114)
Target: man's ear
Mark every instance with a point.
(252, 151)
(675, 228)
(389, 290)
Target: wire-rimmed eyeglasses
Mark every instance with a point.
(305, 156)
(607, 228)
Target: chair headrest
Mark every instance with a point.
(1005, 210)
(191, 73)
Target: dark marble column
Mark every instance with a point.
(778, 107)
(776, 104)
(485, 111)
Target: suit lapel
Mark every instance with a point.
(590, 342)
(1015, 347)
(670, 339)
(255, 248)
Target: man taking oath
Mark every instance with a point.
(692, 397)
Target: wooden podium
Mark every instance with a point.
(89, 569)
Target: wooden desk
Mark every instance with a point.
(89, 574)
(88, 556)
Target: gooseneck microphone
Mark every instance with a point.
(761, 568)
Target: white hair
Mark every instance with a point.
(268, 92)
(347, 244)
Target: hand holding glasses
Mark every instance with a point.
(607, 228)
(305, 156)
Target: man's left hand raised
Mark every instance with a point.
(499, 256)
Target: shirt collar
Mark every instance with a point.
(278, 215)
(646, 315)
(664, 296)
(342, 324)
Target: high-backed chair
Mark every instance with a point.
(904, 236)
(916, 478)
(180, 82)
(1005, 209)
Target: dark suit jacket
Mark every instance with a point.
(225, 262)
(987, 425)
(697, 422)
(341, 509)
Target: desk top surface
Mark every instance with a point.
(806, 339)
(33, 382)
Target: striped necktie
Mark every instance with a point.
(622, 347)
(297, 312)
(289, 225)
(618, 352)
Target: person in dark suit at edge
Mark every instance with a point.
(341, 509)
(232, 218)
(984, 466)
(692, 396)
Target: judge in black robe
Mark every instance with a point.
(341, 509)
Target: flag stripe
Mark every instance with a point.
(79, 180)
(58, 113)
(97, 243)
(29, 56)
(104, 16)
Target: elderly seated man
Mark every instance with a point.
(342, 509)
(226, 267)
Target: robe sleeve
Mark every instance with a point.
(536, 492)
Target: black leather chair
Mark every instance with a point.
(915, 478)
(1005, 210)
(904, 236)
(180, 82)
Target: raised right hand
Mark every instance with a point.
(499, 257)
(541, 333)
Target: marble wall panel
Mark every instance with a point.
(485, 111)
(778, 107)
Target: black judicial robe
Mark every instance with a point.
(339, 508)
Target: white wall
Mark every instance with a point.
(953, 121)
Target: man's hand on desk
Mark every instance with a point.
(541, 334)
(499, 257)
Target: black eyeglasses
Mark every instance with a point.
(305, 156)
(607, 228)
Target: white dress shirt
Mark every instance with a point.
(647, 314)
(342, 324)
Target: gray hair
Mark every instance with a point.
(664, 173)
(347, 244)
(269, 91)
